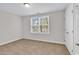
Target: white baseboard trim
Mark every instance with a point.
(6, 42)
(63, 43)
(3, 43)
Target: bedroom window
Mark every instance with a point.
(40, 24)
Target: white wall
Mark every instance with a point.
(56, 28)
(10, 27)
(13, 27)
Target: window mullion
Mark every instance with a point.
(39, 24)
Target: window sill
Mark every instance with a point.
(40, 32)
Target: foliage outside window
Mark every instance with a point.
(40, 24)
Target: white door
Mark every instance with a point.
(69, 28)
(76, 18)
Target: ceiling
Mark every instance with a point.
(21, 10)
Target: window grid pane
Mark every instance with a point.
(35, 28)
(40, 24)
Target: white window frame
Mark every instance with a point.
(39, 26)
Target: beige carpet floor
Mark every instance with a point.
(30, 47)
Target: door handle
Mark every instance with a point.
(67, 32)
(77, 44)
